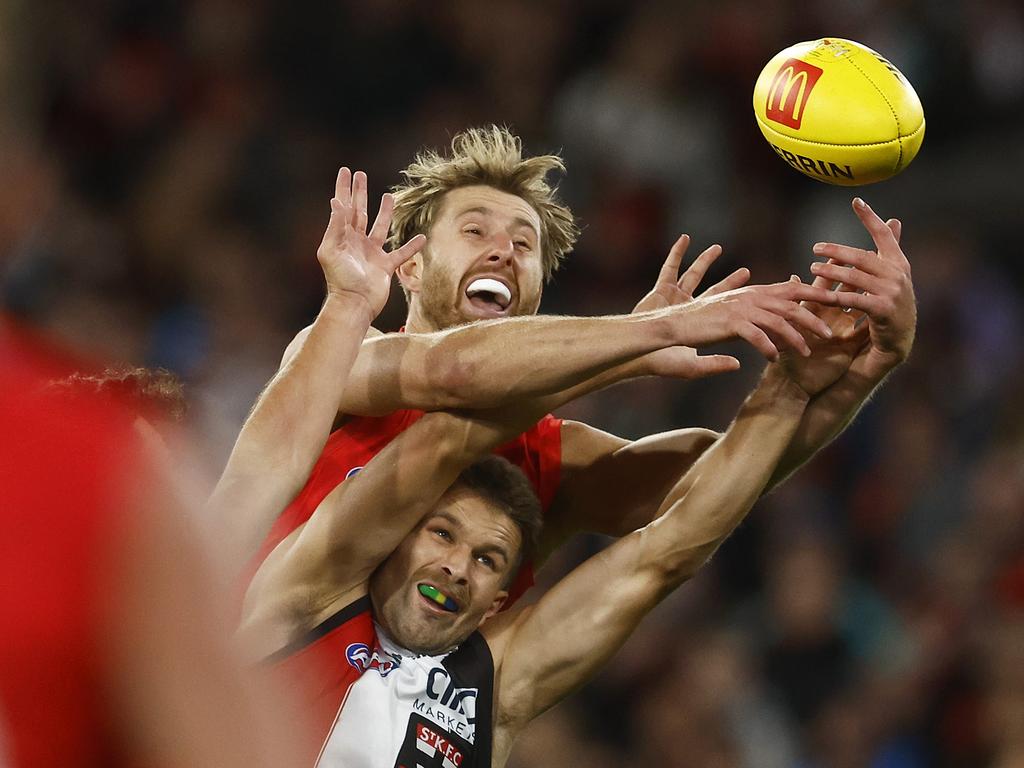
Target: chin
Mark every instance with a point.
(431, 639)
(423, 643)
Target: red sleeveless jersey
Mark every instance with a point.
(538, 452)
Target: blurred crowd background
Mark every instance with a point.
(165, 170)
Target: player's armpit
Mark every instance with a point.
(613, 486)
(545, 651)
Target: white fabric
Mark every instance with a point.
(372, 727)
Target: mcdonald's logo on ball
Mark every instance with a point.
(789, 92)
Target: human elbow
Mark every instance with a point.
(674, 568)
(675, 574)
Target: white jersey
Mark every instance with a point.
(410, 711)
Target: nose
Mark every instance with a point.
(456, 568)
(502, 251)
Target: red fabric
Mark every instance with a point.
(325, 666)
(538, 452)
(61, 472)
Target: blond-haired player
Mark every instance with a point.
(494, 231)
(387, 600)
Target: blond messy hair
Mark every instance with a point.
(491, 156)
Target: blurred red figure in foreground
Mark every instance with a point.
(113, 648)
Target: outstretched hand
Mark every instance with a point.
(877, 289)
(766, 316)
(354, 262)
(876, 341)
(830, 358)
(670, 290)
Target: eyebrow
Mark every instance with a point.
(456, 523)
(520, 220)
(447, 516)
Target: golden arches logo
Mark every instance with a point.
(789, 92)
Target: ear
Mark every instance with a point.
(410, 273)
(499, 600)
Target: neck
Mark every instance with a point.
(412, 325)
(415, 322)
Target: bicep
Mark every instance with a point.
(613, 486)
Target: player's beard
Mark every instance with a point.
(405, 623)
(439, 297)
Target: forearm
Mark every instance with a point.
(362, 521)
(622, 372)
(495, 363)
(286, 431)
(829, 413)
(717, 492)
(574, 628)
(420, 464)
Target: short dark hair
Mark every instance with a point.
(503, 483)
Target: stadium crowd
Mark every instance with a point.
(164, 169)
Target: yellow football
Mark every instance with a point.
(838, 112)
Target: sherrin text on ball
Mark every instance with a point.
(839, 112)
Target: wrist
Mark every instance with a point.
(781, 389)
(351, 308)
(659, 327)
(882, 363)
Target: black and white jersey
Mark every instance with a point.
(410, 711)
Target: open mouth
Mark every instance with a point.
(438, 597)
(488, 293)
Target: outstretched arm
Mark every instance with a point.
(547, 650)
(867, 343)
(327, 562)
(291, 420)
(877, 289)
(499, 362)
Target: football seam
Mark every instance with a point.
(765, 126)
(895, 117)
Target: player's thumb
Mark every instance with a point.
(711, 365)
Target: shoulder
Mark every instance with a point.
(294, 345)
(582, 444)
